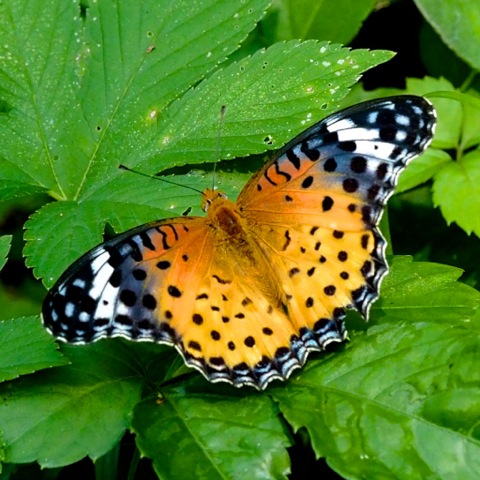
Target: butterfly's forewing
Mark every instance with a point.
(328, 187)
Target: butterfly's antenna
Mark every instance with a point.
(223, 108)
(155, 177)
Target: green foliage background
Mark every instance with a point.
(86, 85)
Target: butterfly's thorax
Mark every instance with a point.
(225, 217)
(235, 240)
(229, 226)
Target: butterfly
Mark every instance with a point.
(246, 292)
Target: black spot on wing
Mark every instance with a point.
(293, 158)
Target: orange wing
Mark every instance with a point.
(335, 178)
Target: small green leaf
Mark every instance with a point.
(471, 124)
(5, 242)
(457, 23)
(212, 432)
(456, 191)
(423, 291)
(370, 410)
(59, 416)
(423, 169)
(26, 347)
(450, 116)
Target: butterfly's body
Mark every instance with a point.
(246, 292)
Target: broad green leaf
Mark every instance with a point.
(271, 97)
(456, 191)
(421, 291)
(77, 90)
(26, 347)
(337, 21)
(389, 405)
(458, 24)
(211, 432)
(423, 169)
(307, 86)
(57, 417)
(5, 242)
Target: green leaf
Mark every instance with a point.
(384, 408)
(424, 291)
(308, 86)
(77, 90)
(5, 242)
(458, 24)
(272, 96)
(471, 123)
(38, 77)
(450, 117)
(57, 417)
(439, 60)
(336, 21)
(26, 347)
(212, 432)
(423, 169)
(128, 86)
(456, 191)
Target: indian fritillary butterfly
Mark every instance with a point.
(246, 292)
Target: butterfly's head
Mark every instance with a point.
(210, 195)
